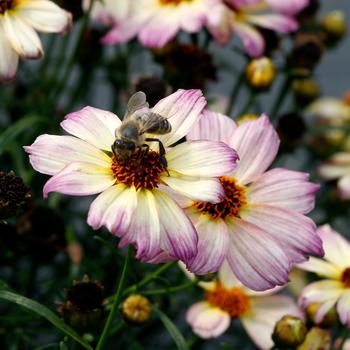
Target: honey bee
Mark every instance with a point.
(138, 121)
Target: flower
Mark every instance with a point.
(132, 204)
(241, 17)
(18, 21)
(228, 299)
(338, 167)
(335, 289)
(156, 22)
(260, 227)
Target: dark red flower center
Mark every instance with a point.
(142, 170)
(230, 206)
(6, 5)
(234, 300)
(345, 277)
(173, 2)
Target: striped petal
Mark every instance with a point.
(280, 23)
(202, 158)
(44, 16)
(80, 179)
(213, 242)
(182, 108)
(93, 125)
(343, 308)
(178, 235)
(321, 267)
(285, 189)
(212, 126)
(22, 37)
(257, 144)
(114, 208)
(207, 321)
(255, 258)
(8, 58)
(49, 154)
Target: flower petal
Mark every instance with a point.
(337, 166)
(202, 158)
(49, 154)
(178, 235)
(266, 311)
(321, 267)
(22, 37)
(336, 247)
(343, 308)
(286, 189)
(321, 292)
(80, 179)
(144, 230)
(197, 189)
(212, 126)
(290, 7)
(113, 208)
(280, 23)
(253, 41)
(296, 233)
(212, 246)
(344, 187)
(182, 108)
(255, 257)
(207, 321)
(8, 58)
(93, 125)
(44, 16)
(257, 144)
(227, 277)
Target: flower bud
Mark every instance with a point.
(83, 307)
(260, 72)
(137, 309)
(330, 319)
(246, 118)
(334, 26)
(305, 90)
(316, 339)
(13, 194)
(307, 51)
(289, 332)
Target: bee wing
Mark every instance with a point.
(155, 124)
(137, 101)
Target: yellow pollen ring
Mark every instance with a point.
(345, 277)
(234, 301)
(172, 2)
(230, 206)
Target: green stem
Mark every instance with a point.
(235, 91)
(344, 338)
(280, 98)
(117, 297)
(172, 289)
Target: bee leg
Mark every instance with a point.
(113, 151)
(161, 152)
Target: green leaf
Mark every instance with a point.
(17, 128)
(44, 312)
(172, 329)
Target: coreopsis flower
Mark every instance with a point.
(19, 20)
(227, 299)
(156, 22)
(334, 290)
(132, 205)
(338, 167)
(260, 227)
(241, 17)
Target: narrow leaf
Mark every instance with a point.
(172, 329)
(44, 312)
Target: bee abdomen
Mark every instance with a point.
(163, 127)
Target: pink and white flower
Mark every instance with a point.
(131, 204)
(334, 290)
(19, 20)
(156, 22)
(242, 17)
(260, 227)
(228, 299)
